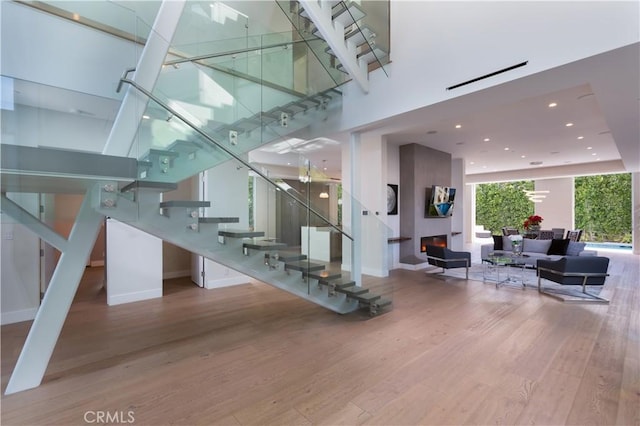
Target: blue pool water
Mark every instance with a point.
(608, 246)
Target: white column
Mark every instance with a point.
(355, 210)
(147, 71)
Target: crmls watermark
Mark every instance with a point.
(112, 417)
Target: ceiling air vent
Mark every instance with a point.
(512, 67)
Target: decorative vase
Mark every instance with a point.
(534, 229)
(516, 248)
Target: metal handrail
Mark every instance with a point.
(150, 95)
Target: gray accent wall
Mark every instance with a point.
(420, 167)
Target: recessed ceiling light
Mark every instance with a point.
(589, 147)
(472, 162)
(487, 139)
(288, 164)
(146, 117)
(580, 137)
(553, 105)
(523, 156)
(569, 124)
(458, 126)
(506, 148)
(593, 153)
(484, 167)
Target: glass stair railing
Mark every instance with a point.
(241, 99)
(294, 247)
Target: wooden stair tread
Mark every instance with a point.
(382, 302)
(149, 186)
(264, 245)
(218, 219)
(304, 266)
(184, 203)
(323, 275)
(352, 290)
(338, 283)
(291, 257)
(367, 297)
(240, 233)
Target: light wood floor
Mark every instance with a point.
(451, 352)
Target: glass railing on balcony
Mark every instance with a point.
(114, 18)
(366, 24)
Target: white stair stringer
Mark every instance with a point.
(205, 243)
(333, 32)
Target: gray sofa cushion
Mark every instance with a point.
(536, 246)
(575, 248)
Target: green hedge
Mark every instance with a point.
(602, 206)
(503, 204)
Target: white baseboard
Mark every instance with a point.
(176, 274)
(133, 297)
(226, 282)
(410, 267)
(375, 272)
(18, 316)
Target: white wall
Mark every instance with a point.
(20, 273)
(132, 275)
(393, 221)
(373, 199)
(460, 226)
(49, 50)
(436, 44)
(557, 209)
(227, 188)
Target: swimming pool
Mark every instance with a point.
(608, 246)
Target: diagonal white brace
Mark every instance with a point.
(43, 335)
(33, 223)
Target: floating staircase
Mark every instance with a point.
(183, 158)
(247, 251)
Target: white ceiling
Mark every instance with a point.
(599, 95)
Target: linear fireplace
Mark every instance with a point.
(434, 240)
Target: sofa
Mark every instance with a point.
(532, 250)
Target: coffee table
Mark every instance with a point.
(499, 267)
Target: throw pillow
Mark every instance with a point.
(575, 248)
(558, 246)
(536, 246)
(497, 242)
